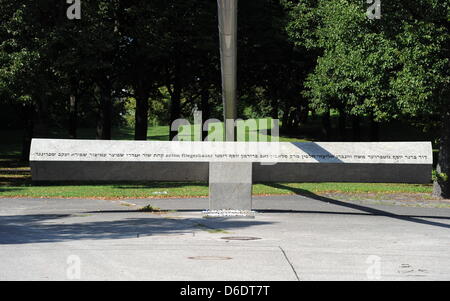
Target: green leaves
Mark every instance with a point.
(390, 67)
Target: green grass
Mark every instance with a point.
(149, 208)
(158, 190)
(292, 188)
(11, 140)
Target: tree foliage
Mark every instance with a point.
(393, 67)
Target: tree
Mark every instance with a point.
(26, 73)
(271, 69)
(190, 37)
(102, 41)
(142, 55)
(396, 67)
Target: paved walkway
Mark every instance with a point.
(298, 238)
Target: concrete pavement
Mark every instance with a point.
(294, 238)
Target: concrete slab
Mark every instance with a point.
(230, 186)
(299, 238)
(109, 160)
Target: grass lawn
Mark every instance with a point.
(15, 179)
(149, 190)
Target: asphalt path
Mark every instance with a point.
(291, 238)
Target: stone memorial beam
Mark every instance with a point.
(230, 167)
(106, 160)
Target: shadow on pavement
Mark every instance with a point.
(367, 210)
(45, 228)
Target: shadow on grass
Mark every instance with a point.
(122, 184)
(8, 189)
(12, 162)
(46, 228)
(159, 137)
(15, 181)
(132, 185)
(367, 210)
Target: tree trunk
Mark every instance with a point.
(304, 115)
(296, 118)
(441, 186)
(326, 123)
(356, 127)
(342, 125)
(205, 110)
(28, 118)
(274, 108)
(141, 115)
(374, 134)
(175, 111)
(104, 122)
(175, 104)
(275, 105)
(40, 128)
(291, 119)
(285, 120)
(73, 117)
